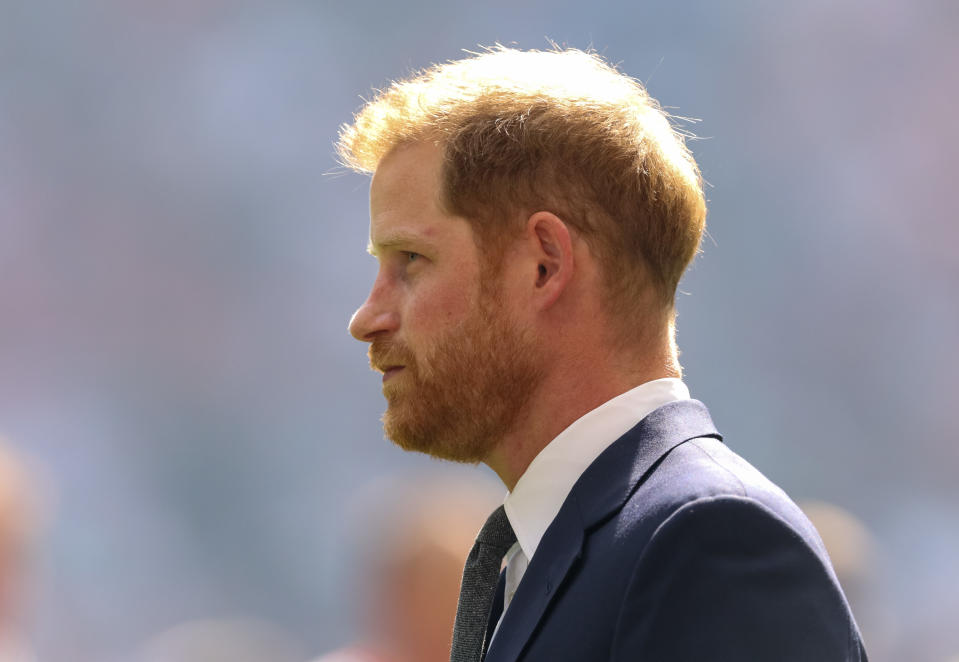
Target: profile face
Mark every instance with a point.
(456, 371)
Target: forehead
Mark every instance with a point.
(405, 197)
(408, 173)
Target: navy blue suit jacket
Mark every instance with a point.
(671, 548)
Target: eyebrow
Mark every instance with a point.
(397, 239)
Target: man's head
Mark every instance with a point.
(562, 131)
(521, 202)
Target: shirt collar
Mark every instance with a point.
(541, 490)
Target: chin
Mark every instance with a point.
(435, 440)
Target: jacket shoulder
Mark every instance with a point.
(725, 578)
(706, 468)
(724, 563)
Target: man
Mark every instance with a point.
(532, 214)
(408, 557)
(19, 530)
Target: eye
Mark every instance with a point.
(411, 256)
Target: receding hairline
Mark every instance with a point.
(400, 235)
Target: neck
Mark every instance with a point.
(568, 392)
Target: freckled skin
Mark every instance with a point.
(403, 200)
(466, 369)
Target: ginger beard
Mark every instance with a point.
(457, 398)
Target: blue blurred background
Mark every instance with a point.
(180, 255)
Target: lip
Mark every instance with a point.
(390, 371)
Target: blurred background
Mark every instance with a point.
(180, 255)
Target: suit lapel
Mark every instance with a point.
(601, 491)
(562, 544)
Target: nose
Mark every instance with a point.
(375, 317)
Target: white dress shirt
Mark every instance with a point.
(541, 490)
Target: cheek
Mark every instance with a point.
(440, 306)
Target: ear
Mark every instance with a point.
(552, 250)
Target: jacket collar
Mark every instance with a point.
(607, 484)
(535, 500)
(601, 491)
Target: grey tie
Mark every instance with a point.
(479, 586)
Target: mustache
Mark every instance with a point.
(386, 353)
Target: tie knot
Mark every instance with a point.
(497, 532)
